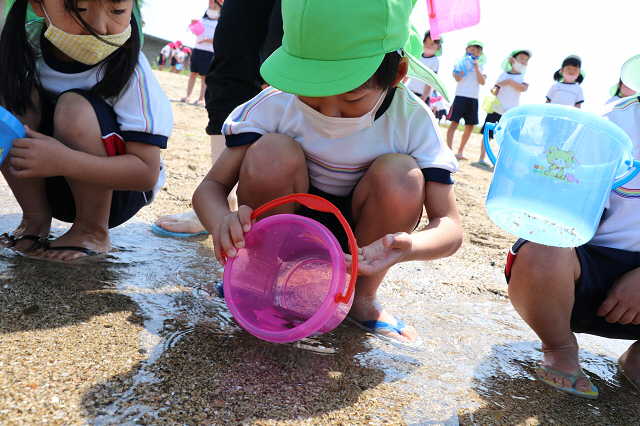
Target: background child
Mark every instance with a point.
(509, 86)
(465, 103)
(567, 90)
(165, 52)
(594, 288)
(203, 52)
(430, 51)
(177, 45)
(95, 160)
(343, 128)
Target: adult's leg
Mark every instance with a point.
(388, 199)
(468, 128)
(542, 291)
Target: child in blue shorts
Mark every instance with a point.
(594, 288)
(339, 123)
(465, 104)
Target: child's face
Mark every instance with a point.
(429, 47)
(626, 91)
(103, 16)
(570, 73)
(353, 104)
(475, 50)
(523, 58)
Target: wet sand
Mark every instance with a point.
(143, 339)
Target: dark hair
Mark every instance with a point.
(517, 53)
(572, 62)
(428, 35)
(385, 75)
(18, 58)
(618, 89)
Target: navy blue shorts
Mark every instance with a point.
(343, 203)
(200, 61)
(466, 108)
(124, 204)
(601, 267)
(494, 117)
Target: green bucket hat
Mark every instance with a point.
(630, 73)
(482, 59)
(329, 48)
(506, 64)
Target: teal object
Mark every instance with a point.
(10, 128)
(554, 171)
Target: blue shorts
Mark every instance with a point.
(200, 60)
(466, 108)
(124, 204)
(601, 267)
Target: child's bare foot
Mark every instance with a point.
(564, 360)
(367, 312)
(181, 223)
(75, 244)
(629, 363)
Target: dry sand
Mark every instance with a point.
(70, 343)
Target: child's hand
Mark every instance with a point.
(623, 300)
(475, 63)
(382, 254)
(38, 155)
(228, 233)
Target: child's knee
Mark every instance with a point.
(273, 156)
(398, 179)
(73, 118)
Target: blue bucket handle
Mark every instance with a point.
(621, 181)
(487, 144)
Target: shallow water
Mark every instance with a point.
(477, 354)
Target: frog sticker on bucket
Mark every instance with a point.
(559, 162)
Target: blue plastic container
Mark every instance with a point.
(10, 128)
(554, 171)
(463, 66)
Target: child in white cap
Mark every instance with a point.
(339, 124)
(508, 87)
(594, 288)
(431, 50)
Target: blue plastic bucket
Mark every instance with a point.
(555, 168)
(10, 128)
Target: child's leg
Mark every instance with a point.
(274, 166)
(388, 199)
(630, 361)
(541, 289)
(192, 81)
(451, 132)
(76, 125)
(203, 89)
(30, 195)
(468, 128)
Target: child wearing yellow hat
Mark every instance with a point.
(338, 123)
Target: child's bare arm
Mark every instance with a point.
(441, 238)
(456, 76)
(210, 203)
(38, 155)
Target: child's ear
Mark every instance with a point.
(37, 7)
(403, 68)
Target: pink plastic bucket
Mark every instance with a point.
(196, 28)
(450, 15)
(289, 281)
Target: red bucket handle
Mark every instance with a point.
(318, 203)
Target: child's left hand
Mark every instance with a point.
(37, 155)
(475, 63)
(382, 254)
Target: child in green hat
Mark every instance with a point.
(338, 123)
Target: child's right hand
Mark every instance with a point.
(228, 233)
(38, 155)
